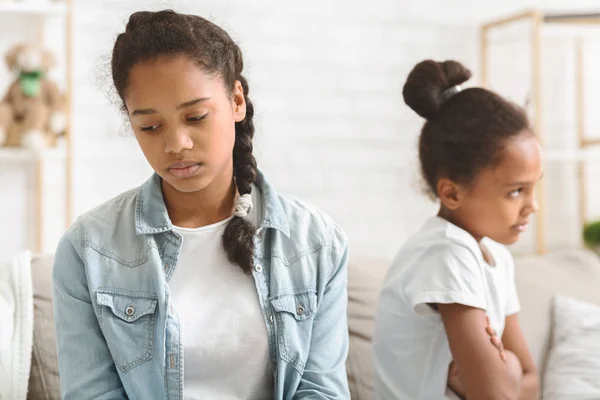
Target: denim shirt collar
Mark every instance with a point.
(151, 214)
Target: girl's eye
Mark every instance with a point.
(515, 193)
(149, 128)
(196, 119)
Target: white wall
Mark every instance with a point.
(326, 79)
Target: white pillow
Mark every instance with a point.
(573, 367)
(16, 326)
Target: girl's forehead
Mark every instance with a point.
(171, 81)
(521, 159)
(169, 71)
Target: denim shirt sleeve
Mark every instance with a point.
(87, 370)
(325, 371)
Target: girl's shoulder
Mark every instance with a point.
(109, 225)
(306, 225)
(113, 214)
(440, 238)
(301, 223)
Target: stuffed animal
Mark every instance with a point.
(32, 111)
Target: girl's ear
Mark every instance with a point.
(451, 194)
(239, 102)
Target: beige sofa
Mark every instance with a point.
(575, 273)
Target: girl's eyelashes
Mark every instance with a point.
(154, 127)
(197, 119)
(149, 128)
(515, 193)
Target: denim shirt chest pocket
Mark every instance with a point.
(294, 314)
(128, 322)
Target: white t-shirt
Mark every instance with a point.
(225, 343)
(444, 264)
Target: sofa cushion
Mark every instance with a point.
(573, 369)
(365, 277)
(44, 383)
(539, 279)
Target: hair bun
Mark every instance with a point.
(140, 18)
(428, 80)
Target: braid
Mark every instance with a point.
(239, 233)
(244, 164)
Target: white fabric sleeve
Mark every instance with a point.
(513, 306)
(448, 273)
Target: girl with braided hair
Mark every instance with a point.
(204, 282)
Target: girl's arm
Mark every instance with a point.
(483, 373)
(87, 370)
(324, 375)
(514, 341)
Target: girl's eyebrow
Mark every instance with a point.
(148, 111)
(192, 102)
(525, 183)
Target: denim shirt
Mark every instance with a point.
(118, 336)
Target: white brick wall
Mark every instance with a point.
(326, 79)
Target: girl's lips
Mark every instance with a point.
(182, 164)
(521, 227)
(184, 170)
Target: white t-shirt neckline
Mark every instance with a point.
(205, 227)
(485, 241)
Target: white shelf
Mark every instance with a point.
(27, 156)
(33, 7)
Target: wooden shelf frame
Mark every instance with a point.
(538, 20)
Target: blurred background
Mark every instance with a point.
(326, 78)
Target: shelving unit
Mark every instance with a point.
(34, 7)
(581, 154)
(26, 156)
(39, 11)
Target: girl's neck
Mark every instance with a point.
(201, 208)
(455, 219)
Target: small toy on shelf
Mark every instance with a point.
(32, 111)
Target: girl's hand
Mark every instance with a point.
(495, 339)
(454, 382)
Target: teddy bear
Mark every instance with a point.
(32, 111)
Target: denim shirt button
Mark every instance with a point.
(130, 311)
(271, 319)
(300, 310)
(258, 268)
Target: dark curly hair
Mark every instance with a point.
(463, 133)
(149, 35)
